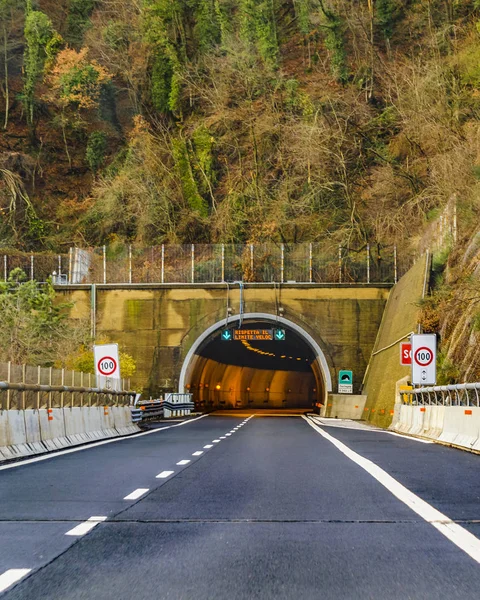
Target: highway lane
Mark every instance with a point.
(273, 510)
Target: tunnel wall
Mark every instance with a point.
(268, 389)
(158, 324)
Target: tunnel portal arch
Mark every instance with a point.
(319, 366)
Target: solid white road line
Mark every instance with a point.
(12, 576)
(198, 453)
(183, 462)
(29, 461)
(208, 446)
(137, 494)
(462, 538)
(164, 474)
(85, 527)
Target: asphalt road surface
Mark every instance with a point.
(244, 507)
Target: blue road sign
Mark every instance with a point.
(227, 335)
(279, 335)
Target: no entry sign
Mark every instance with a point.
(107, 366)
(424, 358)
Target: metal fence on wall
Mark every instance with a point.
(65, 388)
(459, 394)
(216, 263)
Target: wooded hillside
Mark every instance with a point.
(154, 121)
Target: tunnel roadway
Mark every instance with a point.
(243, 507)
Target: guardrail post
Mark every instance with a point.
(310, 263)
(223, 263)
(50, 379)
(31, 267)
(72, 394)
(39, 381)
(395, 267)
(5, 268)
(163, 264)
(130, 263)
(252, 264)
(282, 262)
(9, 379)
(70, 264)
(368, 263)
(81, 385)
(193, 263)
(339, 263)
(104, 264)
(24, 393)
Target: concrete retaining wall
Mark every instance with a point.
(29, 432)
(343, 406)
(456, 425)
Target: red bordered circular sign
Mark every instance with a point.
(423, 356)
(107, 365)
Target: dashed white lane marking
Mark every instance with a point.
(233, 430)
(198, 453)
(164, 474)
(12, 576)
(215, 441)
(85, 527)
(49, 456)
(462, 538)
(136, 494)
(222, 437)
(182, 462)
(228, 434)
(208, 446)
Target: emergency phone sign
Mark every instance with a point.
(107, 367)
(424, 359)
(406, 354)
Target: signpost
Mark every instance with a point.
(107, 366)
(424, 359)
(406, 354)
(345, 382)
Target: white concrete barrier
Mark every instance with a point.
(461, 426)
(433, 422)
(456, 425)
(28, 432)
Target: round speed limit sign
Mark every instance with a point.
(107, 365)
(423, 356)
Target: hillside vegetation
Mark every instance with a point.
(153, 121)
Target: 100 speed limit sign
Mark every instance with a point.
(107, 366)
(424, 359)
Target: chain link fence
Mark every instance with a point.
(79, 389)
(215, 263)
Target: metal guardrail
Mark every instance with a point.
(86, 396)
(460, 394)
(172, 406)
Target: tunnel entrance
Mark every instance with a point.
(260, 374)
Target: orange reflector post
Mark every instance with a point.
(423, 409)
(356, 406)
(367, 409)
(392, 412)
(468, 412)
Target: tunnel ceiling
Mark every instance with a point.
(293, 354)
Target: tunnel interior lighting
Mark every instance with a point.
(218, 386)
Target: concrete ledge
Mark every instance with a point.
(344, 406)
(30, 432)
